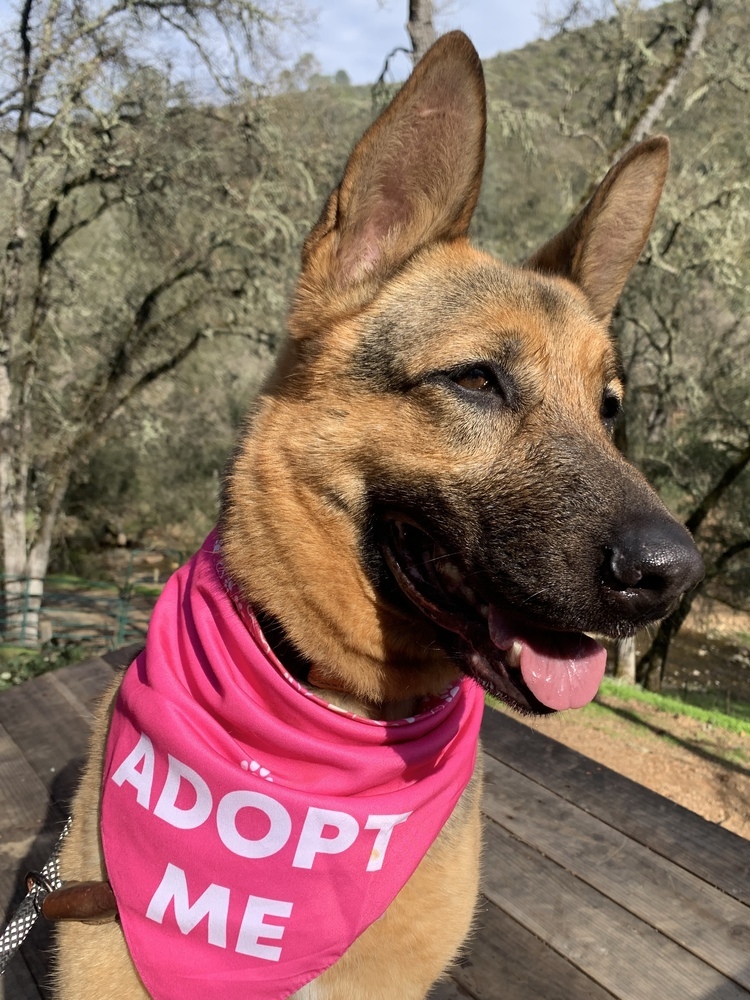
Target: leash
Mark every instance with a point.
(39, 885)
(48, 895)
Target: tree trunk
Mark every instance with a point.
(36, 570)
(650, 672)
(625, 659)
(712, 498)
(13, 256)
(25, 560)
(670, 80)
(653, 105)
(13, 517)
(24, 573)
(651, 667)
(420, 27)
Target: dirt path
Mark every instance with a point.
(703, 768)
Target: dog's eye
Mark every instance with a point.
(610, 407)
(477, 379)
(481, 383)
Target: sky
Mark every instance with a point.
(357, 35)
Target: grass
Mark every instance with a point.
(148, 589)
(694, 705)
(691, 704)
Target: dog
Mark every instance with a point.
(426, 506)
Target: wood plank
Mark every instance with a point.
(712, 925)
(507, 962)
(22, 793)
(620, 952)
(18, 857)
(123, 657)
(17, 983)
(449, 990)
(714, 854)
(50, 719)
(87, 681)
(51, 728)
(29, 828)
(32, 854)
(16, 861)
(534, 900)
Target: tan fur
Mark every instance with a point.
(611, 230)
(280, 476)
(388, 278)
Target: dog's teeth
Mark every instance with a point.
(513, 658)
(484, 610)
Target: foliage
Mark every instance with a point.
(157, 479)
(137, 224)
(18, 664)
(157, 476)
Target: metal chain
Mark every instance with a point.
(39, 884)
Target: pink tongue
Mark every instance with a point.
(561, 669)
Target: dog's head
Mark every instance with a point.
(429, 482)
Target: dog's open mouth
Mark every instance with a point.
(533, 668)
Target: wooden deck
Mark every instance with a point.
(594, 887)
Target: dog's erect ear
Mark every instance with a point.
(600, 246)
(414, 176)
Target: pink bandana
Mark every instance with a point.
(252, 831)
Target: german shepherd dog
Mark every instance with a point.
(428, 487)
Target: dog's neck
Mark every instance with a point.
(313, 677)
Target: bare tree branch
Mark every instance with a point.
(103, 147)
(665, 87)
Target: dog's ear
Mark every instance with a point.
(414, 176)
(602, 243)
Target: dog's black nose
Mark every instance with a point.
(649, 565)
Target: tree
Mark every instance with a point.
(629, 70)
(421, 30)
(656, 69)
(694, 281)
(178, 433)
(104, 151)
(711, 457)
(645, 57)
(300, 76)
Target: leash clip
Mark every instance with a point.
(38, 886)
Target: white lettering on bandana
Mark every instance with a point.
(251, 831)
